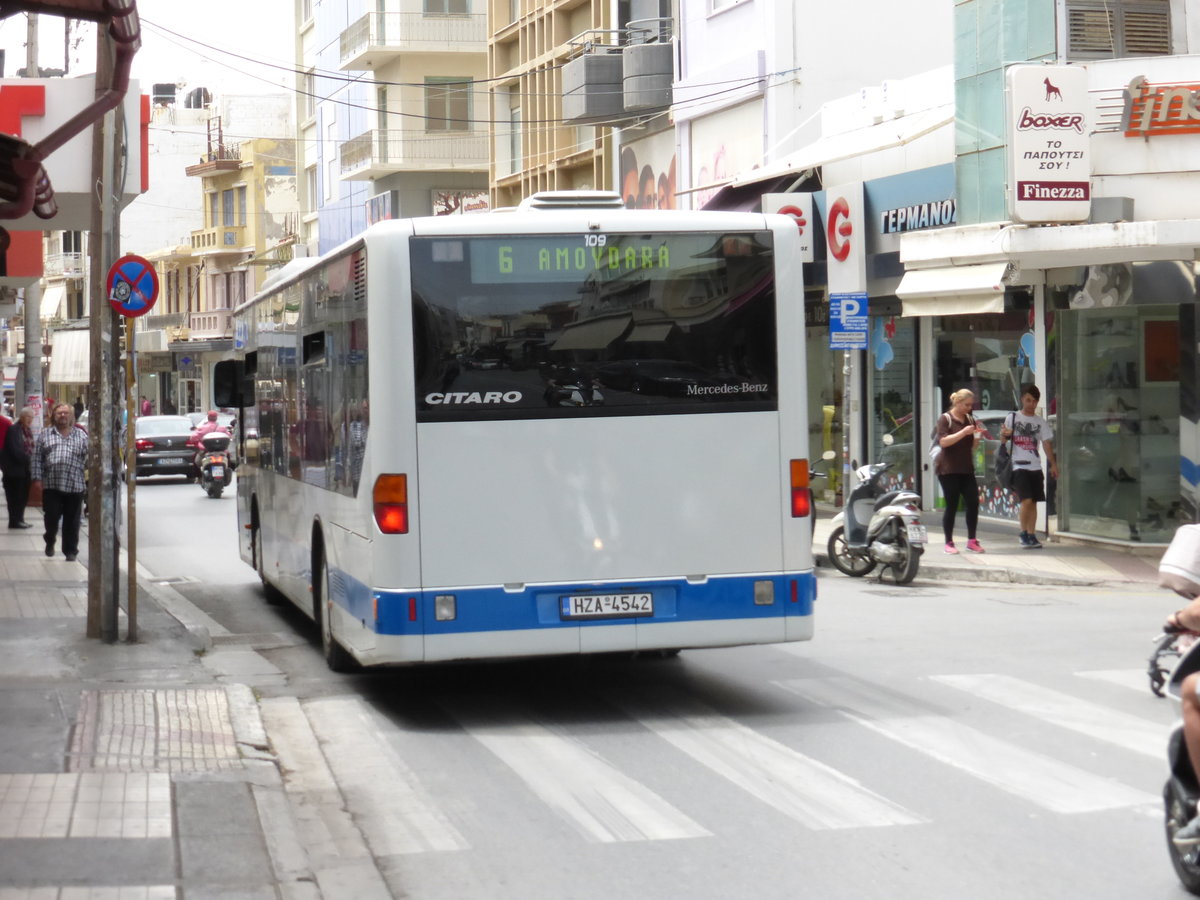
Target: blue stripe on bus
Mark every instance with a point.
(495, 609)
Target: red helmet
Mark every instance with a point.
(212, 415)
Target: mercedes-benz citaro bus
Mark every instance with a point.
(563, 428)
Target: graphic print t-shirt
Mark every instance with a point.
(1028, 434)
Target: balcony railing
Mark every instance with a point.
(381, 152)
(378, 37)
(211, 324)
(163, 321)
(64, 265)
(222, 239)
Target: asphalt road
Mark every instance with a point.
(933, 741)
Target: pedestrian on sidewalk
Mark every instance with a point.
(59, 459)
(16, 456)
(957, 434)
(1029, 432)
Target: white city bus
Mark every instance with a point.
(566, 428)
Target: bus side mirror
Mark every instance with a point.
(227, 381)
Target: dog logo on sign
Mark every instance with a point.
(1052, 92)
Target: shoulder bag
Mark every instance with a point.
(1004, 461)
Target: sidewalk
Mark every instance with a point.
(129, 770)
(1061, 561)
(146, 767)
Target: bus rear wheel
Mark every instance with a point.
(335, 654)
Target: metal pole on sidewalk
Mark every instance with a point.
(130, 482)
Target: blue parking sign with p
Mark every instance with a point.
(848, 321)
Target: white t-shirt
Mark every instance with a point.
(1028, 434)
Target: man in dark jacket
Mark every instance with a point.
(15, 464)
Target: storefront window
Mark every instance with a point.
(891, 373)
(1118, 423)
(992, 354)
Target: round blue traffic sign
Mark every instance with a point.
(132, 286)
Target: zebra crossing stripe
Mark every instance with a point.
(1134, 679)
(801, 788)
(1081, 716)
(601, 802)
(391, 807)
(1041, 780)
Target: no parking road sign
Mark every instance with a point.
(132, 286)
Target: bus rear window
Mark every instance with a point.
(584, 325)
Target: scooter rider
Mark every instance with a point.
(1188, 619)
(207, 427)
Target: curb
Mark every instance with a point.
(980, 575)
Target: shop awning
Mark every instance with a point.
(650, 333)
(849, 144)
(594, 334)
(953, 290)
(52, 298)
(748, 197)
(70, 357)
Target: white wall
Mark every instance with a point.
(808, 53)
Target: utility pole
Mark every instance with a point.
(104, 457)
(31, 46)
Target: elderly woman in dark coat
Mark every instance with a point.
(15, 461)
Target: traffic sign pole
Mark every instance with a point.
(130, 482)
(132, 286)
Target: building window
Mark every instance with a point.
(514, 138)
(447, 104)
(308, 94)
(447, 7)
(214, 209)
(241, 205)
(227, 205)
(310, 190)
(331, 158)
(1104, 29)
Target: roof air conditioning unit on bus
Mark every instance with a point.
(573, 200)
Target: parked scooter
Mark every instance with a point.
(878, 527)
(215, 464)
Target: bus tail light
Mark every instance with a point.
(801, 495)
(391, 503)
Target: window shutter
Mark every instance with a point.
(1148, 31)
(1104, 29)
(1090, 32)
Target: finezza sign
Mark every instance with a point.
(1154, 109)
(1049, 144)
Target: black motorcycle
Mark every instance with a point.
(215, 463)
